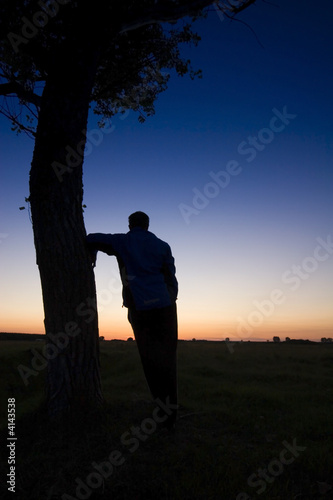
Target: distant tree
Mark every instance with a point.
(58, 60)
(276, 339)
(329, 340)
(101, 338)
(323, 339)
(287, 339)
(130, 339)
(227, 339)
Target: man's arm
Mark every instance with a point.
(99, 242)
(169, 272)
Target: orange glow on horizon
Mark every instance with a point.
(198, 330)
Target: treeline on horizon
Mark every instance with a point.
(275, 340)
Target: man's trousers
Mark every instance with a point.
(156, 335)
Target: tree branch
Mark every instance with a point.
(233, 18)
(22, 93)
(172, 11)
(18, 126)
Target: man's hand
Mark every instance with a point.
(93, 257)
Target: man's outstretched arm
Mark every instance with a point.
(99, 242)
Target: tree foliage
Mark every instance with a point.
(139, 45)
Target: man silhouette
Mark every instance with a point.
(150, 290)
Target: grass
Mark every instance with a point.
(238, 413)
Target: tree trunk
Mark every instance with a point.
(56, 194)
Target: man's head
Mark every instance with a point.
(138, 219)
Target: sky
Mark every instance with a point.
(235, 173)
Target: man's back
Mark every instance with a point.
(146, 266)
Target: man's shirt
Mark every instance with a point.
(146, 267)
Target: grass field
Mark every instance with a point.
(253, 424)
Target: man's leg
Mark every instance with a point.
(156, 334)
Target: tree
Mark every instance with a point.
(276, 339)
(58, 58)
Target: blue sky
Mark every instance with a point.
(241, 249)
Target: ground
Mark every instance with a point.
(254, 422)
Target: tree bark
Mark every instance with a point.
(56, 194)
